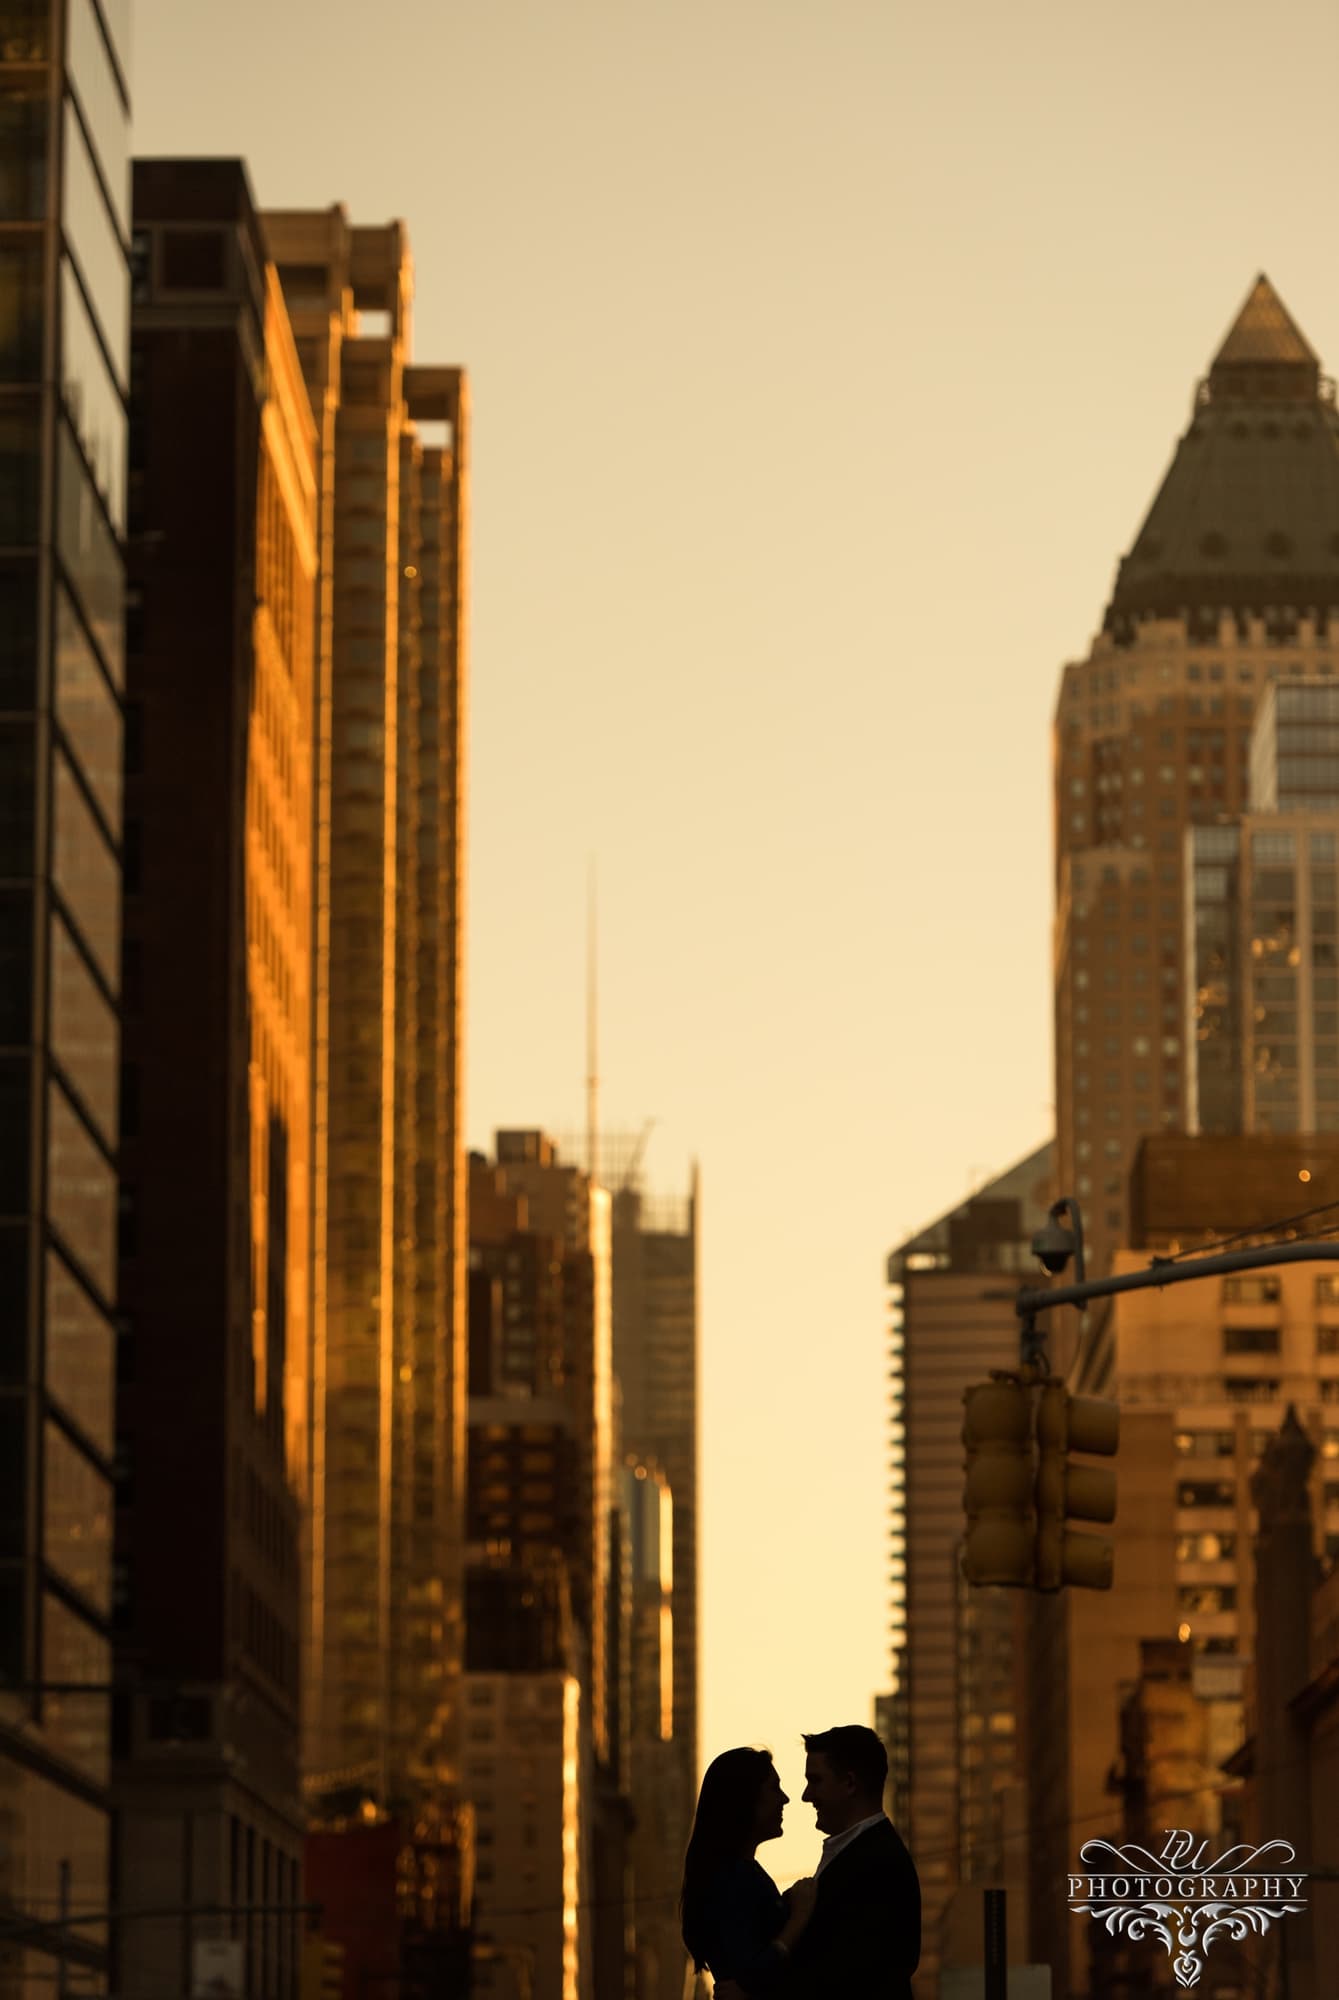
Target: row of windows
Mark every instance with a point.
(1317, 703)
(1167, 775)
(1112, 1149)
(1085, 682)
(1269, 1389)
(1169, 911)
(1271, 1020)
(1265, 1288)
(1140, 1045)
(1141, 1080)
(1210, 1547)
(1109, 715)
(1207, 1598)
(1137, 942)
(1139, 976)
(1113, 1115)
(1169, 841)
(1219, 1444)
(1139, 1013)
(1111, 877)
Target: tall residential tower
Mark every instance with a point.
(382, 1641)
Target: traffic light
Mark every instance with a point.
(997, 1496)
(1068, 1492)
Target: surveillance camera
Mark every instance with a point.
(1053, 1246)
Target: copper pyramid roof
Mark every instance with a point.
(1247, 518)
(1264, 333)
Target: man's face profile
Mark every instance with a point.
(829, 1795)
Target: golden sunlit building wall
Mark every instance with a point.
(383, 1639)
(1232, 583)
(213, 1403)
(524, 1767)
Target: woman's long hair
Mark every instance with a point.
(722, 1831)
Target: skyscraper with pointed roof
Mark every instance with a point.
(1232, 582)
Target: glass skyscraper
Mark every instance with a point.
(64, 321)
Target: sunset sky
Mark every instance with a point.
(825, 356)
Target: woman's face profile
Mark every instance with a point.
(772, 1802)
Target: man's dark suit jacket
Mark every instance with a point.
(864, 1937)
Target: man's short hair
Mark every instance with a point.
(856, 1752)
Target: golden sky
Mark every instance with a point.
(825, 355)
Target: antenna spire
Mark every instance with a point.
(592, 1032)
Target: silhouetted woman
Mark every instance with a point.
(735, 1920)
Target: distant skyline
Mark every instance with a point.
(824, 362)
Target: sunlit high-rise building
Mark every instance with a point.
(64, 378)
(383, 1563)
(1232, 583)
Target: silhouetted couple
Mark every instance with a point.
(852, 1929)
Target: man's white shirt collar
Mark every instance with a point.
(835, 1842)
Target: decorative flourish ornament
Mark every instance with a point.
(1184, 1900)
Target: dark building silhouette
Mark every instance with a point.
(212, 1418)
(64, 373)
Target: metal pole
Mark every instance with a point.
(997, 1945)
(63, 1963)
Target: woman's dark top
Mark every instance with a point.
(741, 1915)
